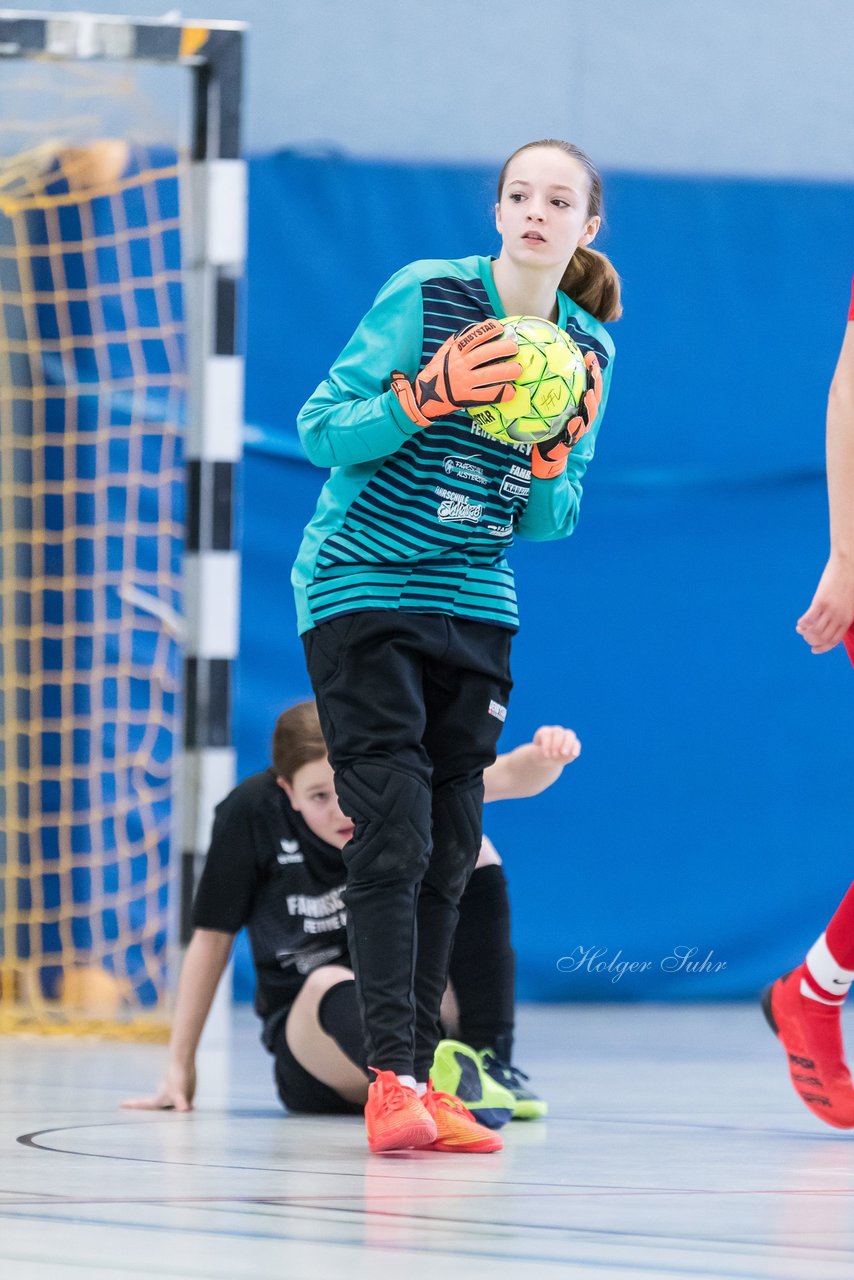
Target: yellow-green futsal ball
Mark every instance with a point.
(553, 381)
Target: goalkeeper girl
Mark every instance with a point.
(406, 602)
(275, 866)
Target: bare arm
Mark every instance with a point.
(206, 958)
(533, 767)
(832, 609)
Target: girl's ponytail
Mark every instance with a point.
(591, 280)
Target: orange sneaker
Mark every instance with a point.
(457, 1128)
(395, 1116)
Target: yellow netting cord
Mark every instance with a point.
(92, 407)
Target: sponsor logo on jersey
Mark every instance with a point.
(329, 925)
(321, 913)
(465, 469)
(315, 905)
(305, 961)
(514, 489)
(497, 710)
(457, 508)
(500, 530)
(290, 853)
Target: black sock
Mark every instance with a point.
(338, 1014)
(483, 963)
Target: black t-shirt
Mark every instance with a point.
(265, 869)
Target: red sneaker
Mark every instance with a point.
(811, 1034)
(395, 1116)
(457, 1128)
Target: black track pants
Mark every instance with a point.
(411, 707)
(483, 964)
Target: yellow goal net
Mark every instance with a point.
(92, 496)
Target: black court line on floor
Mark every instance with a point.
(622, 1238)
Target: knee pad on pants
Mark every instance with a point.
(457, 836)
(391, 811)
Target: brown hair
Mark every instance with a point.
(297, 740)
(590, 278)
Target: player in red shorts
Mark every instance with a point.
(803, 1007)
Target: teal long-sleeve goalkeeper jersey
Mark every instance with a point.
(420, 518)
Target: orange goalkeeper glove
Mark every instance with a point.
(469, 369)
(548, 459)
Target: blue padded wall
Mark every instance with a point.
(717, 752)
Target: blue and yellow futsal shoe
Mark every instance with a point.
(459, 1070)
(526, 1105)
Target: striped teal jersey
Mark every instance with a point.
(421, 518)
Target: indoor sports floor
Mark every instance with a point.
(674, 1148)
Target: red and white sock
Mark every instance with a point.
(823, 978)
(840, 931)
(829, 968)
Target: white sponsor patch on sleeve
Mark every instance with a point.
(496, 709)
